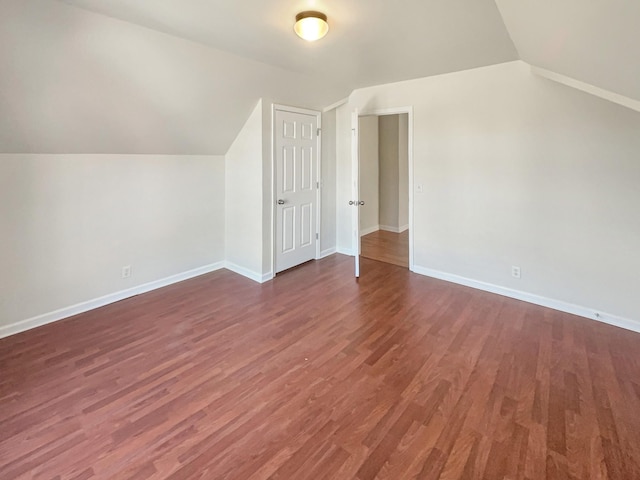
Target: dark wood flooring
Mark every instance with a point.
(317, 376)
(387, 247)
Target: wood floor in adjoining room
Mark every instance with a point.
(389, 247)
(317, 376)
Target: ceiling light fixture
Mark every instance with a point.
(311, 26)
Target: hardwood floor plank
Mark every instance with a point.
(318, 376)
(388, 247)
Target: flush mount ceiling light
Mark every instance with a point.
(311, 26)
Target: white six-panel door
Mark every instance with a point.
(296, 149)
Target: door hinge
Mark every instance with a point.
(318, 131)
(317, 237)
(317, 184)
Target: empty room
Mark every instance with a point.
(312, 239)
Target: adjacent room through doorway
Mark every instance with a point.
(384, 185)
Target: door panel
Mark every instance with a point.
(307, 130)
(288, 229)
(306, 229)
(307, 168)
(288, 169)
(296, 150)
(355, 203)
(289, 129)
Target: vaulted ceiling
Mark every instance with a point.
(181, 76)
(370, 42)
(594, 41)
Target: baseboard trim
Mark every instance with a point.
(389, 228)
(327, 252)
(250, 274)
(590, 313)
(345, 251)
(82, 307)
(369, 230)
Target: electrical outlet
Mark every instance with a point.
(515, 272)
(126, 271)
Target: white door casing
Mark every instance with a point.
(296, 152)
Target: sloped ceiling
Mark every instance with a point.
(594, 41)
(181, 76)
(370, 41)
(72, 81)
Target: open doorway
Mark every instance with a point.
(384, 183)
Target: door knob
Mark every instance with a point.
(351, 202)
(361, 202)
(280, 201)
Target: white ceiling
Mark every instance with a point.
(594, 41)
(181, 76)
(370, 42)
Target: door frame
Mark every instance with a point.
(305, 111)
(396, 111)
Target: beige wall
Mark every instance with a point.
(389, 171)
(403, 171)
(244, 198)
(69, 223)
(394, 172)
(368, 151)
(328, 184)
(518, 170)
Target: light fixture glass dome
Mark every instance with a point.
(311, 26)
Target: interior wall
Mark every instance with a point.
(267, 165)
(244, 198)
(328, 184)
(71, 222)
(369, 174)
(403, 172)
(520, 171)
(389, 172)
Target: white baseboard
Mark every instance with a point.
(250, 274)
(367, 231)
(82, 307)
(345, 251)
(389, 228)
(579, 310)
(327, 252)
